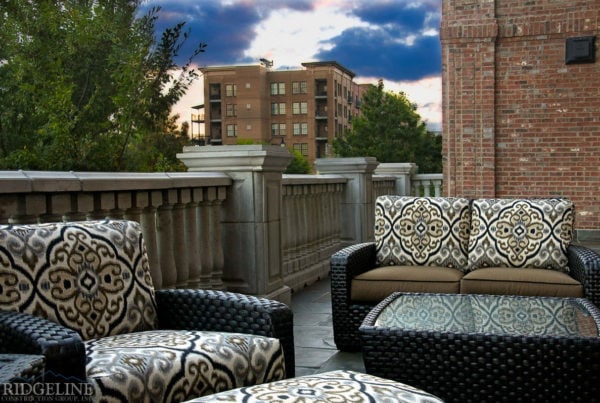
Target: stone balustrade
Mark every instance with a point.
(180, 214)
(234, 221)
(310, 226)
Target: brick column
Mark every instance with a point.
(468, 34)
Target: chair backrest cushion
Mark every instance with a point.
(422, 231)
(91, 276)
(521, 233)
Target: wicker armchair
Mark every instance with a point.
(81, 295)
(351, 261)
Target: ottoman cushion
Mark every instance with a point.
(334, 386)
(179, 364)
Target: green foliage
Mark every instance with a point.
(390, 129)
(249, 142)
(298, 165)
(87, 86)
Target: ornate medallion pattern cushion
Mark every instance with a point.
(92, 277)
(532, 233)
(175, 366)
(422, 231)
(333, 386)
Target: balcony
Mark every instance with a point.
(234, 222)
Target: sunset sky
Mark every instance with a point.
(395, 40)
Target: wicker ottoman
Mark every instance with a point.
(334, 386)
(480, 348)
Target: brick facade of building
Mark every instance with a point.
(518, 120)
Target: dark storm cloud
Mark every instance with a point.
(394, 13)
(398, 43)
(377, 53)
(228, 30)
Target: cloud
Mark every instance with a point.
(394, 40)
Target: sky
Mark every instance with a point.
(393, 40)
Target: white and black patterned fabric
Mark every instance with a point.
(334, 386)
(173, 366)
(422, 231)
(92, 277)
(520, 233)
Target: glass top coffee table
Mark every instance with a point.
(464, 347)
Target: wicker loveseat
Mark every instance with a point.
(456, 245)
(81, 295)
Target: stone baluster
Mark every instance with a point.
(149, 202)
(218, 258)
(204, 222)
(299, 236)
(180, 250)
(165, 236)
(81, 205)
(192, 226)
(28, 209)
(287, 229)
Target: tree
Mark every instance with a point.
(298, 165)
(86, 85)
(390, 129)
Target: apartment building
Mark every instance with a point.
(302, 109)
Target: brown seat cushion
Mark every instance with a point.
(533, 282)
(376, 284)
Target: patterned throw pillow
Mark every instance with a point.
(422, 231)
(525, 233)
(92, 277)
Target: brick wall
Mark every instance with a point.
(518, 121)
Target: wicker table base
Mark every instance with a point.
(487, 348)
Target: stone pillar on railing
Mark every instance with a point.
(251, 215)
(357, 202)
(402, 171)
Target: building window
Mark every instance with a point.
(300, 129)
(277, 88)
(302, 148)
(231, 110)
(215, 91)
(232, 130)
(230, 90)
(278, 129)
(299, 108)
(299, 87)
(278, 108)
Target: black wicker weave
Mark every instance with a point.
(483, 367)
(62, 347)
(356, 259)
(177, 309)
